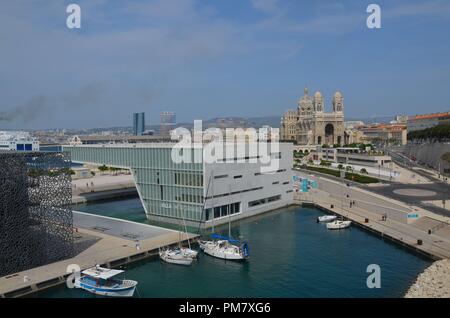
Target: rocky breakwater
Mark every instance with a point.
(434, 282)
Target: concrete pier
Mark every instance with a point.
(119, 242)
(103, 187)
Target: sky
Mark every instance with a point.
(217, 58)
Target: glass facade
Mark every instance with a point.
(167, 189)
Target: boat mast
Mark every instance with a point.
(229, 212)
(185, 231)
(212, 201)
(204, 206)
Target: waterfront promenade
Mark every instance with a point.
(102, 187)
(116, 242)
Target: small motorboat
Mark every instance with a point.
(338, 225)
(326, 218)
(99, 280)
(175, 256)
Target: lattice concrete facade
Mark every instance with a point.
(35, 215)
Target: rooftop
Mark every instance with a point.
(430, 116)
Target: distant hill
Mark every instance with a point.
(226, 122)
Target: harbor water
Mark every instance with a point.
(290, 256)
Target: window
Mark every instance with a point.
(223, 210)
(276, 182)
(264, 201)
(221, 176)
(237, 177)
(286, 182)
(235, 192)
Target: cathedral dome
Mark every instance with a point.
(337, 94)
(318, 94)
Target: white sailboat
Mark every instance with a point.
(179, 255)
(225, 247)
(175, 256)
(187, 251)
(338, 225)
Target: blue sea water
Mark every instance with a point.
(291, 256)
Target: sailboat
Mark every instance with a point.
(338, 225)
(225, 247)
(179, 255)
(175, 256)
(187, 251)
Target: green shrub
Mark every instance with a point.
(348, 175)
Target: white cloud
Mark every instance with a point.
(266, 6)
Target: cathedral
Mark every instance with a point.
(310, 125)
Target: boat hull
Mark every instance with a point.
(177, 259)
(223, 255)
(326, 218)
(105, 291)
(338, 225)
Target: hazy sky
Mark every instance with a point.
(213, 58)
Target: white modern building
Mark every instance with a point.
(352, 156)
(202, 191)
(18, 141)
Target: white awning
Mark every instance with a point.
(102, 273)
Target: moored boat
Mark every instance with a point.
(175, 256)
(338, 225)
(326, 218)
(99, 280)
(226, 248)
(189, 252)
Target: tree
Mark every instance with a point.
(340, 166)
(349, 168)
(364, 171)
(103, 168)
